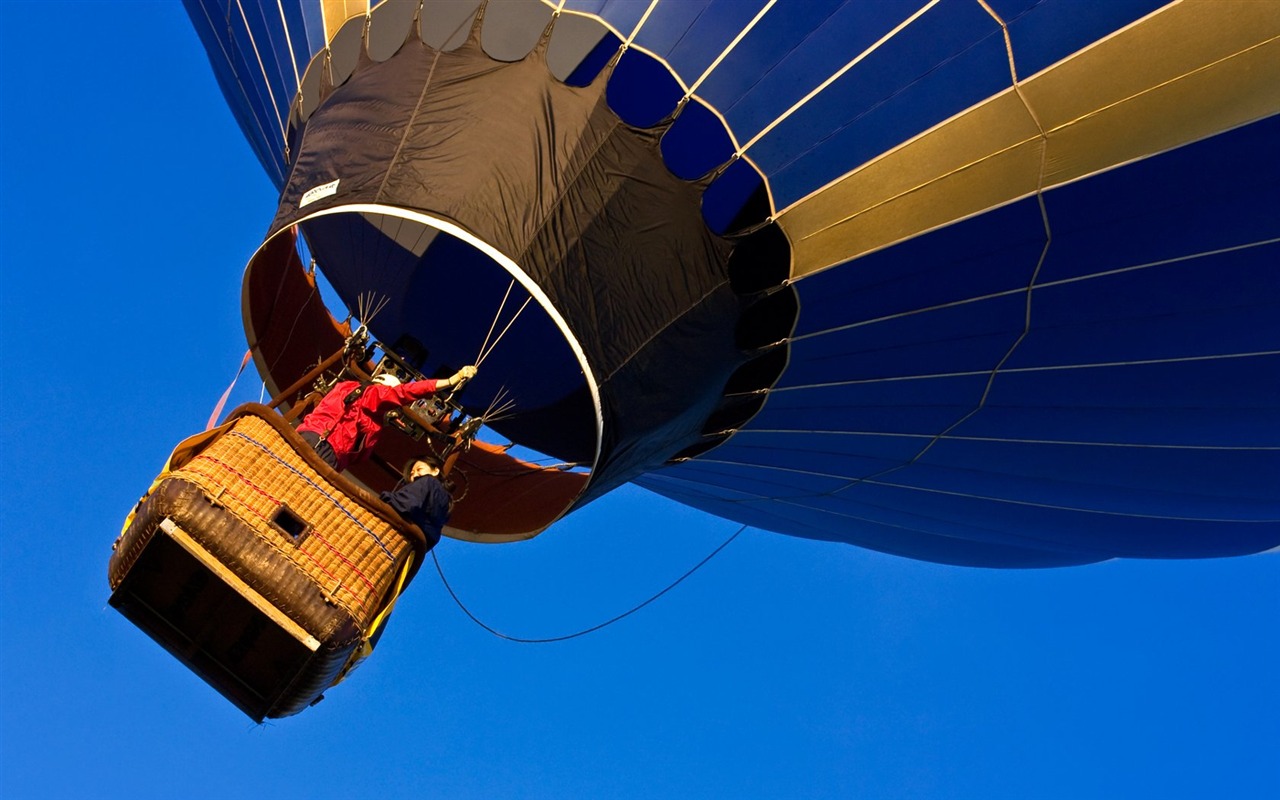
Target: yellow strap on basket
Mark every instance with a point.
(366, 647)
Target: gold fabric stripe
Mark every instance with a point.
(1191, 70)
(336, 12)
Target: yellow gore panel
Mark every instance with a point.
(336, 12)
(1189, 71)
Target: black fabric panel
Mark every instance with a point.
(583, 203)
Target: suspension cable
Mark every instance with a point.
(594, 628)
(496, 317)
(494, 346)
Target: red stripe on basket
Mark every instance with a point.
(239, 475)
(341, 557)
(259, 515)
(315, 532)
(323, 569)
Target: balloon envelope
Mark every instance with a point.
(1028, 255)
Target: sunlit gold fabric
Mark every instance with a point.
(336, 12)
(1189, 71)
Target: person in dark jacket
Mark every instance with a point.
(421, 498)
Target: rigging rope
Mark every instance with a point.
(496, 317)
(494, 346)
(593, 628)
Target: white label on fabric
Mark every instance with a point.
(319, 193)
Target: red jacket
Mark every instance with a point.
(352, 430)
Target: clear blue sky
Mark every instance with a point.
(129, 204)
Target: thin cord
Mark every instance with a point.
(594, 628)
(494, 346)
(496, 317)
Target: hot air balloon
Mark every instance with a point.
(979, 282)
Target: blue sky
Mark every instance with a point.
(784, 668)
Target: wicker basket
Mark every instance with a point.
(258, 566)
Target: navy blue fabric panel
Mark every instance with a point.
(691, 35)
(951, 58)
(791, 50)
(1211, 484)
(685, 480)
(951, 339)
(816, 387)
(1222, 402)
(1102, 534)
(826, 359)
(247, 77)
(696, 143)
(953, 528)
(934, 514)
(1213, 306)
(295, 15)
(1107, 535)
(1216, 384)
(749, 481)
(831, 454)
(623, 15)
(729, 193)
(1223, 425)
(966, 520)
(925, 407)
(270, 61)
(1051, 30)
(1216, 193)
(993, 253)
(800, 520)
(247, 99)
(928, 420)
(667, 23)
(313, 19)
(642, 91)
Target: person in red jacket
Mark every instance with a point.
(344, 427)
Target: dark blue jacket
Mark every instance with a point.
(424, 502)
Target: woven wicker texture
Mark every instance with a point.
(350, 553)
